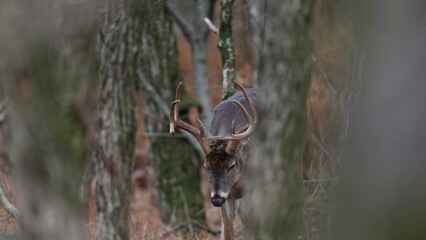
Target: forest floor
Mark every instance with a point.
(145, 220)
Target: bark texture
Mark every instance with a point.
(274, 194)
(381, 194)
(116, 124)
(175, 160)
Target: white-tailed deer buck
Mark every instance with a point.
(225, 149)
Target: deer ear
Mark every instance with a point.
(205, 163)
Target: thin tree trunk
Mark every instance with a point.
(175, 161)
(274, 194)
(227, 50)
(196, 34)
(199, 59)
(116, 124)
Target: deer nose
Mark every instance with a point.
(217, 200)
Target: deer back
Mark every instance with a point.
(226, 111)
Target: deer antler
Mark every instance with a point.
(248, 129)
(176, 122)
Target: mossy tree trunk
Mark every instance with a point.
(274, 191)
(116, 124)
(175, 160)
(226, 47)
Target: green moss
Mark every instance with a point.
(177, 172)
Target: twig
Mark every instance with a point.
(5, 218)
(191, 222)
(320, 180)
(212, 27)
(185, 210)
(183, 24)
(12, 210)
(134, 228)
(210, 15)
(325, 76)
(319, 144)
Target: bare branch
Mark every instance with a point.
(212, 27)
(183, 24)
(210, 15)
(12, 210)
(164, 107)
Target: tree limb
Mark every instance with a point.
(164, 107)
(212, 27)
(183, 24)
(210, 16)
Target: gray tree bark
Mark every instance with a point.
(175, 160)
(196, 34)
(274, 189)
(116, 124)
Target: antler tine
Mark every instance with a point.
(232, 144)
(248, 129)
(178, 90)
(233, 127)
(176, 122)
(174, 109)
(250, 103)
(250, 121)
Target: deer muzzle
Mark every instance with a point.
(218, 200)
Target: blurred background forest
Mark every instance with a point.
(85, 149)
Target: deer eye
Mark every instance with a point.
(232, 166)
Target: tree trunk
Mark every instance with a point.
(382, 194)
(116, 123)
(199, 58)
(274, 191)
(226, 47)
(175, 161)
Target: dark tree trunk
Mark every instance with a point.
(274, 195)
(175, 161)
(116, 124)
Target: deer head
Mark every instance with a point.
(225, 146)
